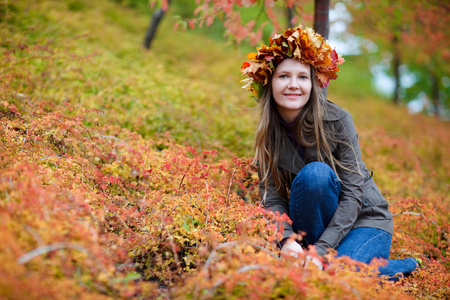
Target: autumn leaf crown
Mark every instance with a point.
(303, 44)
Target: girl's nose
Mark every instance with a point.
(293, 83)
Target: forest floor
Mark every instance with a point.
(126, 173)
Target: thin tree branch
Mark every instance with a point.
(431, 296)
(229, 189)
(240, 270)
(181, 182)
(213, 253)
(422, 215)
(58, 246)
(114, 138)
(408, 213)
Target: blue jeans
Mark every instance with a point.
(313, 201)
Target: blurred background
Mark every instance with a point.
(404, 46)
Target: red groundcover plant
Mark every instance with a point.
(89, 214)
(99, 212)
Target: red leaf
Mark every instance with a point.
(191, 23)
(209, 20)
(294, 20)
(290, 3)
(176, 26)
(165, 5)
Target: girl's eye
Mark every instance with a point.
(283, 76)
(303, 77)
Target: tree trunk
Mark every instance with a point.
(153, 26)
(321, 17)
(290, 13)
(396, 66)
(435, 94)
(322, 22)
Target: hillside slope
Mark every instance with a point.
(100, 197)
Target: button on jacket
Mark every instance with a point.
(360, 202)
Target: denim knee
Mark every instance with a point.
(313, 200)
(315, 176)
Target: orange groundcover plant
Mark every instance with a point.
(85, 214)
(91, 211)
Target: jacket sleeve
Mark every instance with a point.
(271, 200)
(352, 181)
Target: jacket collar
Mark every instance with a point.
(290, 160)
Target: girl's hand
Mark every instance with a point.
(292, 248)
(314, 260)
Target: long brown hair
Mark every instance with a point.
(309, 129)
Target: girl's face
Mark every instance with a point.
(291, 88)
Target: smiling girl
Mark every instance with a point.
(308, 157)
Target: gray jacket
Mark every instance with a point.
(360, 202)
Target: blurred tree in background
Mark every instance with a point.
(247, 19)
(154, 23)
(231, 14)
(415, 34)
(412, 37)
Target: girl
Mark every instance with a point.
(308, 156)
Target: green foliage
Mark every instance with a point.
(137, 4)
(414, 34)
(100, 197)
(354, 80)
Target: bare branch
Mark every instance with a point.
(240, 270)
(264, 249)
(58, 246)
(422, 215)
(213, 253)
(116, 139)
(229, 189)
(408, 213)
(38, 142)
(441, 289)
(184, 175)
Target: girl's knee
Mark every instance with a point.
(315, 175)
(317, 187)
